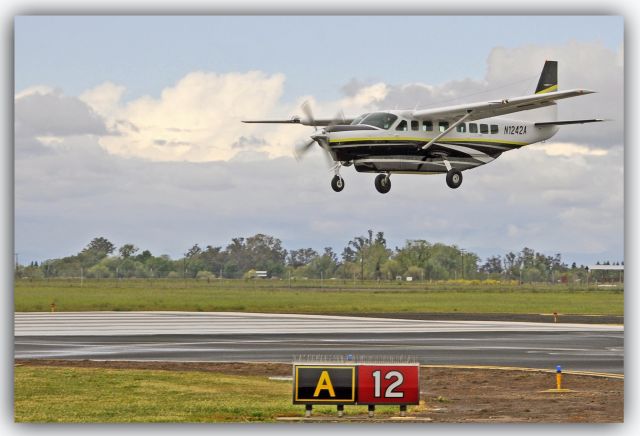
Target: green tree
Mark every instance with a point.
(127, 250)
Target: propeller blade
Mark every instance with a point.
(306, 109)
(322, 141)
(302, 149)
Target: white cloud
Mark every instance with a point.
(104, 99)
(568, 149)
(197, 119)
(37, 89)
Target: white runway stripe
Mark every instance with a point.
(222, 323)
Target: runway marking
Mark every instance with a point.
(197, 323)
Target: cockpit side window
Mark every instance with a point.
(427, 126)
(443, 125)
(402, 125)
(382, 120)
(414, 125)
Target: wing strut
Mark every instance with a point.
(451, 127)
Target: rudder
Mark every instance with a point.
(549, 78)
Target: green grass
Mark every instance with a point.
(54, 394)
(309, 297)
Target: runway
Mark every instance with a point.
(228, 336)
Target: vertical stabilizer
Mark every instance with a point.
(549, 78)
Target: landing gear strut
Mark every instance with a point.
(383, 183)
(454, 178)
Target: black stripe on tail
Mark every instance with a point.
(549, 78)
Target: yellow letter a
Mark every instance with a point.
(324, 382)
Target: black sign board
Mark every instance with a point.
(326, 384)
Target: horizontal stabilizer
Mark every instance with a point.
(562, 123)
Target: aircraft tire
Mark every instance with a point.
(337, 183)
(454, 178)
(382, 183)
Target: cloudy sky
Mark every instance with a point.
(129, 128)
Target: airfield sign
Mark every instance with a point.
(358, 383)
(388, 384)
(325, 384)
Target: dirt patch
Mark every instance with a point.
(451, 394)
(472, 395)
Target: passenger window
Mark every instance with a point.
(473, 128)
(484, 128)
(402, 126)
(494, 129)
(443, 125)
(427, 126)
(461, 128)
(414, 125)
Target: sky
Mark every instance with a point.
(129, 128)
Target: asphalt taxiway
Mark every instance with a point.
(227, 336)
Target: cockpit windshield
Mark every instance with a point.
(382, 120)
(357, 120)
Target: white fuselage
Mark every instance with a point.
(398, 146)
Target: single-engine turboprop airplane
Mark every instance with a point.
(447, 140)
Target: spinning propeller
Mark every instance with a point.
(321, 138)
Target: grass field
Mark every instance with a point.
(330, 296)
(52, 394)
(82, 391)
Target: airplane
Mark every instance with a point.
(446, 140)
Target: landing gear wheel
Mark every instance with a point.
(383, 183)
(454, 179)
(337, 183)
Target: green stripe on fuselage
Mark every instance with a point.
(425, 140)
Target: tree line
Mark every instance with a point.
(365, 257)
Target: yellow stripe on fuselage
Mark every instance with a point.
(396, 138)
(549, 89)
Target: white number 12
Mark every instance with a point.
(389, 393)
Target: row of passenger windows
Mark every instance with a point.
(427, 126)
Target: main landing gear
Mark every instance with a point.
(337, 183)
(454, 178)
(383, 183)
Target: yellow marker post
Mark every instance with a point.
(558, 382)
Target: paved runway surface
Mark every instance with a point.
(225, 336)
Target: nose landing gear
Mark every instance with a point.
(383, 183)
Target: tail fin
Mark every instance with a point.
(549, 78)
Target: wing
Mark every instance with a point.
(477, 111)
(295, 120)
